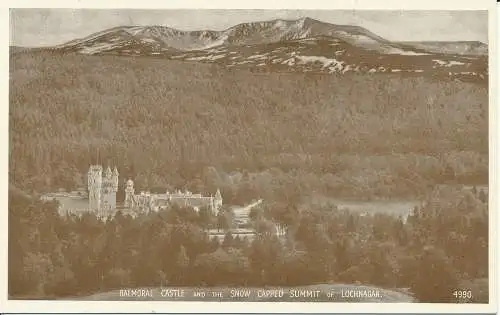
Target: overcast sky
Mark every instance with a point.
(43, 27)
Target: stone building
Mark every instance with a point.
(101, 197)
(102, 188)
(145, 201)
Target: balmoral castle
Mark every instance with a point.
(103, 186)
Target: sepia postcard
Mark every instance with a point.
(293, 158)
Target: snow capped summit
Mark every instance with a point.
(302, 45)
(242, 34)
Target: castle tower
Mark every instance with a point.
(129, 194)
(115, 180)
(218, 201)
(108, 198)
(95, 187)
(211, 204)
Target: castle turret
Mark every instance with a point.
(95, 187)
(129, 194)
(106, 180)
(218, 195)
(115, 179)
(108, 173)
(218, 200)
(108, 190)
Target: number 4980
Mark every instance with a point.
(463, 294)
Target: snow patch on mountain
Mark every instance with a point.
(243, 62)
(468, 72)
(208, 58)
(398, 51)
(97, 48)
(219, 42)
(264, 56)
(116, 39)
(149, 40)
(134, 30)
(362, 39)
(449, 63)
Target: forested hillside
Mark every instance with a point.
(187, 125)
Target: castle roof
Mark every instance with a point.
(115, 171)
(108, 171)
(95, 168)
(191, 202)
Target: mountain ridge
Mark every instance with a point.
(240, 34)
(290, 30)
(301, 45)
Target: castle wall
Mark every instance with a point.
(103, 185)
(102, 189)
(148, 202)
(109, 199)
(94, 187)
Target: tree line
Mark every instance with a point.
(441, 247)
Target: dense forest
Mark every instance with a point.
(274, 136)
(169, 124)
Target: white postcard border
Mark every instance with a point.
(254, 307)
